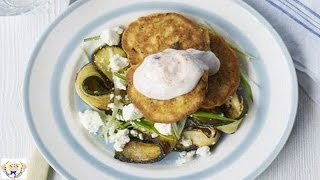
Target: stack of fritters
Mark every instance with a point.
(157, 32)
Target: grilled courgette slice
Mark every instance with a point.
(145, 151)
(230, 128)
(101, 56)
(167, 142)
(235, 108)
(149, 149)
(199, 136)
(92, 88)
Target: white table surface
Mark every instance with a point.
(300, 159)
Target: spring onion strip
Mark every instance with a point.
(116, 103)
(230, 44)
(123, 70)
(112, 122)
(125, 125)
(178, 127)
(86, 54)
(94, 38)
(149, 127)
(206, 25)
(246, 86)
(240, 51)
(120, 76)
(201, 114)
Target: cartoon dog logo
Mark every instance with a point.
(14, 169)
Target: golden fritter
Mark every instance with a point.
(157, 32)
(225, 83)
(168, 111)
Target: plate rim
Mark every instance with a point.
(294, 107)
(260, 168)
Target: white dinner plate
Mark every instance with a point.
(52, 106)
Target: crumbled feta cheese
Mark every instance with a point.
(126, 98)
(130, 112)
(154, 135)
(119, 83)
(91, 120)
(119, 117)
(140, 136)
(185, 157)
(134, 133)
(186, 142)
(118, 97)
(118, 29)
(111, 36)
(164, 129)
(203, 151)
(111, 96)
(120, 139)
(117, 63)
(111, 106)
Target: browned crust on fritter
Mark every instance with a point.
(225, 83)
(157, 32)
(168, 111)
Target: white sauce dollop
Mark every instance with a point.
(172, 73)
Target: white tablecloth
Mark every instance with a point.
(300, 159)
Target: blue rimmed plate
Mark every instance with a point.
(52, 107)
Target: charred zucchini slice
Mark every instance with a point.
(235, 108)
(199, 136)
(142, 151)
(230, 128)
(101, 56)
(231, 112)
(147, 128)
(148, 150)
(92, 88)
